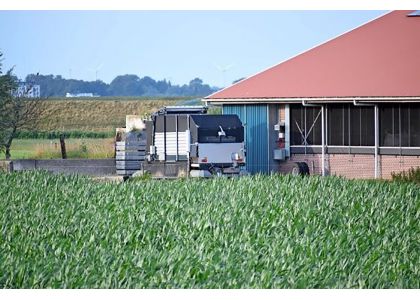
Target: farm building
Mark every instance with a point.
(350, 106)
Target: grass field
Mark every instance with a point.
(76, 148)
(252, 232)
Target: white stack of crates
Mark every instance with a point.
(130, 147)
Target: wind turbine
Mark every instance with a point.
(72, 71)
(223, 70)
(96, 70)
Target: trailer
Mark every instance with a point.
(183, 141)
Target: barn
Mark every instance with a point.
(349, 107)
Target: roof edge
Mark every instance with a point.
(311, 99)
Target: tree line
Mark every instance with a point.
(122, 85)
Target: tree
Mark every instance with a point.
(126, 85)
(197, 88)
(7, 84)
(16, 111)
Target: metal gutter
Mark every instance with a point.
(312, 100)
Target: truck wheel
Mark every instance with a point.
(300, 168)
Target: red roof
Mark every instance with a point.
(380, 58)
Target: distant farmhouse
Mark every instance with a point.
(78, 95)
(28, 90)
(349, 107)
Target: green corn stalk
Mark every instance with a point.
(251, 232)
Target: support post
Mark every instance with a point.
(376, 115)
(287, 129)
(189, 146)
(63, 147)
(376, 127)
(164, 138)
(322, 132)
(176, 132)
(323, 139)
(268, 137)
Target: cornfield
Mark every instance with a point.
(252, 232)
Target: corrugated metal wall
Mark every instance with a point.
(255, 119)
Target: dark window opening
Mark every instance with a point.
(367, 126)
(400, 125)
(350, 125)
(338, 120)
(305, 124)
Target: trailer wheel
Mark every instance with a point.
(300, 168)
(217, 172)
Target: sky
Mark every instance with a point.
(216, 46)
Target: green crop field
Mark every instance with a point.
(94, 115)
(252, 232)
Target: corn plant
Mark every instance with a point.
(252, 232)
(411, 175)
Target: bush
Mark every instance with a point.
(412, 175)
(83, 148)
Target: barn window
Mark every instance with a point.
(400, 125)
(350, 125)
(338, 125)
(305, 123)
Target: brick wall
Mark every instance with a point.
(352, 165)
(396, 163)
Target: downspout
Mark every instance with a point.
(322, 134)
(189, 146)
(177, 141)
(376, 117)
(268, 138)
(287, 128)
(323, 139)
(376, 141)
